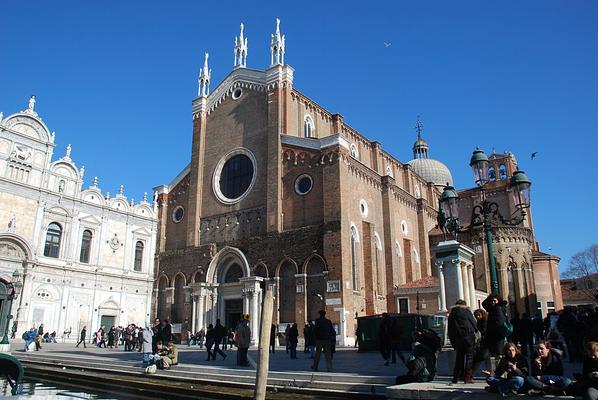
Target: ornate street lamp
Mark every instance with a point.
(13, 289)
(487, 213)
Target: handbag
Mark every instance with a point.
(507, 329)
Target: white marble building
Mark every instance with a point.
(85, 258)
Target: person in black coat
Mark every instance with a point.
(293, 340)
(547, 372)
(385, 335)
(462, 327)
(497, 320)
(82, 337)
(219, 333)
(166, 332)
(157, 336)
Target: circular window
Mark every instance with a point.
(237, 93)
(177, 214)
(234, 176)
(363, 208)
(303, 184)
(404, 227)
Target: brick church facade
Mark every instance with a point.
(280, 188)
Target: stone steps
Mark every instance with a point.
(318, 381)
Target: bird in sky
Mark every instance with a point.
(387, 44)
(534, 154)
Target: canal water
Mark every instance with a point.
(45, 391)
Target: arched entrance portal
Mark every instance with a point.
(228, 292)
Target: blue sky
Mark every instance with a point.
(116, 79)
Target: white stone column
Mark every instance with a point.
(442, 288)
(459, 281)
(200, 318)
(194, 314)
(472, 304)
(246, 305)
(466, 296)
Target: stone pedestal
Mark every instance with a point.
(455, 273)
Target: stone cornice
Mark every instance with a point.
(314, 144)
(252, 79)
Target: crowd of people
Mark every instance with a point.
(528, 352)
(519, 354)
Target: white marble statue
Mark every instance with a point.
(31, 104)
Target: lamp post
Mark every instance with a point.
(487, 213)
(13, 289)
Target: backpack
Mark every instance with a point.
(24, 335)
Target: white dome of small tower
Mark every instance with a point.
(431, 170)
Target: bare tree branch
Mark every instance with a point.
(583, 266)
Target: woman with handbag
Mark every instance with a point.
(462, 328)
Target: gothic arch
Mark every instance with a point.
(176, 276)
(163, 277)
(261, 269)
(227, 255)
(284, 260)
(197, 276)
(311, 257)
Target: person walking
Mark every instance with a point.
(243, 340)
(293, 340)
(462, 328)
(384, 336)
(498, 327)
(210, 342)
(219, 333)
(322, 329)
(82, 337)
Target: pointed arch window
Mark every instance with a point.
(53, 238)
(85, 253)
(491, 174)
(138, 256)
(354, 268)
(308, 127)
(502, 171)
